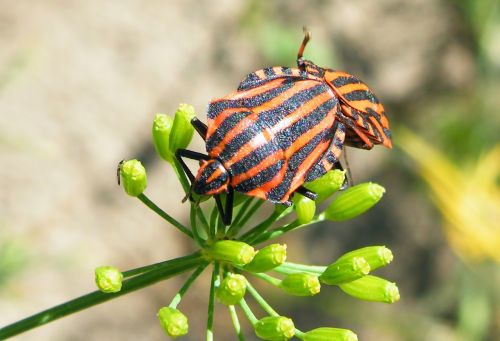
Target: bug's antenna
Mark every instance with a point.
(307, 37)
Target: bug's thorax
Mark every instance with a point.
(212, 178)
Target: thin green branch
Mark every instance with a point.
(147, 268)
(211, 302)
(177, 298)
(260, 300)
(251, 212)
(259, 228)
(299, 334)
(236, 323)
(291, 268)
(245, 217)
(279, 231)
(142, 197)
(181, 175)
(269, 279)
(213, 222)
(243, 208)
(166, 270)
(203, 219)
(194, 226)
(248, 312)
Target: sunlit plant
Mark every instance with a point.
(240, 253)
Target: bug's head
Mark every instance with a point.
(310, 67)
(212, 178)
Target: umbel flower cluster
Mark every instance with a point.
(237, 257)
(241, 253)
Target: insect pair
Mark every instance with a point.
(281, 128)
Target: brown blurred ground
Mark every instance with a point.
(79, 85)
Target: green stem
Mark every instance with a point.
(269, 279)
(292, 268)
(299, 334)
(248, 312)
(251, 212)
(260, 300)
(142, 197)
(236, 323)
(147, 268)
(194, 226)
(203, 220)
(279, 231)
(221, 229)
(211, 300)
(244, 207)
(213, 222)
(181, 175)
(168, 269)
(177, 298)
(258, 229)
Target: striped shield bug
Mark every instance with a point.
(281, 128)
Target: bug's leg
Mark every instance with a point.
(200, 127)
(219, 206)
(300, 60)
(348, 178)
(227, 212)
(180, 153)
(228, 217)
(307, 193)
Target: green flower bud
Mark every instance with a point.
(232, 289)
(173, 322)
(376, 256)
(267, 258)
(354, 201)
(343, 271)
(304, 207)
(232, 251)
(330, 334)
(372, 288)
(301, 284)
(326, 185)
(108, 279)
(133, 176)
(274, 328)
(182, 129)
(162, 126)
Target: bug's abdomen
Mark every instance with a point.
(270, 136)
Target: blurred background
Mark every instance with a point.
(80, 82)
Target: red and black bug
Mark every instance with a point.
(281, 128)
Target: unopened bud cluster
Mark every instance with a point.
(350, 273)
(172, 134)
(234, 257)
